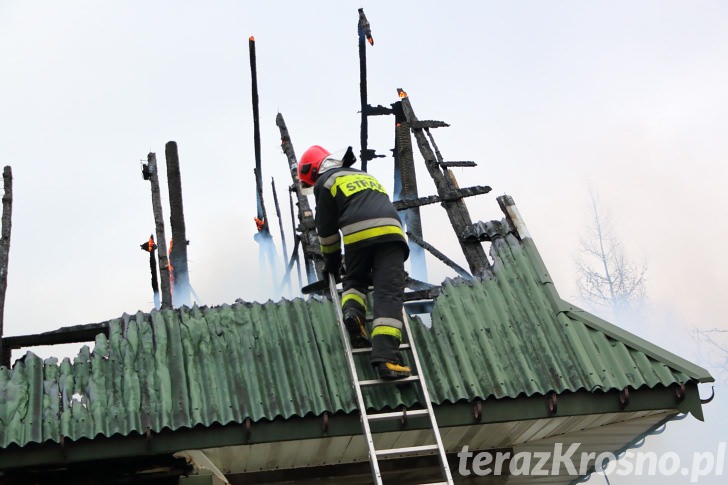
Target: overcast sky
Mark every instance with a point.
(547, 97)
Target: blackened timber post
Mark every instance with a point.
(440, 255)
(152, 174)
(287, 276)
(155, 280)
(5, 254)
(150, 247)
(312, 257)
(456, 209)
(280, 225)
(406, 180)
(280, 219)
(262, 217)
(365, 33)
(178, 250)
(296, 238)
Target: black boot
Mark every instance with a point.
(386, 358)
(354, 323)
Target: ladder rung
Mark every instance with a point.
(397, 415)
(376, 382)
(406, 451)
(364, 350)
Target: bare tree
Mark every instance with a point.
(606, 278)
(716, 353)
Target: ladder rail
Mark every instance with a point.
(377, 475)
(357, 385)
(428, 403)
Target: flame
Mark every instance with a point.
(170, 267)
(402, 94)
(252, 39)
(149, 245)
(259, 223)
(371, 40)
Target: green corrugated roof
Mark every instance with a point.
(501, 337)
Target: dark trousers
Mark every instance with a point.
(381, 266)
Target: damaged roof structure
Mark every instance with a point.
(259, 392)
(510, 366)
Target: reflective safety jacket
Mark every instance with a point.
(356, 203)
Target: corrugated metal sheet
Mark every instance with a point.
(172, 369)
(183, 368)
(501, 338)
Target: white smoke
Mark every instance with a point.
(660, 324)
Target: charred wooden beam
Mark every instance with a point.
(7, 218)
(278, 214)
(64, 335)
(378, 110)
(513, 216)
(365, 33)
(456, 209)
(441, 256)
(150, 247)
(297, 238)
(372, 154)
(405, 183)
(312, 257)
(414, 284)
(178, 244)
(286, 281)
(453, 195)
(458, 164)
(283, 234)
(261, 218)
(438, 155)
(151, 173)
(422, 124)
(422, 294)
(160, 468)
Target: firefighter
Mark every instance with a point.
(355, 203)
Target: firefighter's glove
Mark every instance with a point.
(332, 265)
(337, 275)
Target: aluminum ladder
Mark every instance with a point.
(366, 419)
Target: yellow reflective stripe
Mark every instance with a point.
(387, 330)
(331, 248)
(351, 184)
(356, 298)
(373, 232)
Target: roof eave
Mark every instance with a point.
(315, 427)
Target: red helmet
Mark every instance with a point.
(310, 164)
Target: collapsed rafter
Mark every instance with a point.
(446, 187)
(453, 195)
